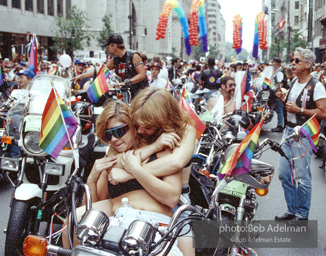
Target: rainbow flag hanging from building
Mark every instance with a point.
(55, 117)
(240, 160)
(53, 71)
(199, 125)
(99, 85)
(310, 130)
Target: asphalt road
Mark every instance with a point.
(270, 205)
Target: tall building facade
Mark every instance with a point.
(135, 20)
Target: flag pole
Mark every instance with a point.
(308, 120)
(64, 123)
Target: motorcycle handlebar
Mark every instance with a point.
(274, 146)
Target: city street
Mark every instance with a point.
(270, 205)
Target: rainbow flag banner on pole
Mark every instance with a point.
(57, 121)
(240, 160)
(310, 130)
(53, 71)
(99, 85)
(199, 125)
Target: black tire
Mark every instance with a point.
(18, 228)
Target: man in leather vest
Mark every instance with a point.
(306, 97)
(127, 64)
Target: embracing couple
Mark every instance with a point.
(150, 143)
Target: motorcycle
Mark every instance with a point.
(38, 174)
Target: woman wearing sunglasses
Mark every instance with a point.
(148, 195)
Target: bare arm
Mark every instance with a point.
(178, 159)
(141, 73)
(90, 74)
(320, 111)
(167, 191)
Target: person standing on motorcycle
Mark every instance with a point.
(209, 77)
(279, 81)
(128, 65)
(306, 97)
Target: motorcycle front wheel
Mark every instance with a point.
(19, 225)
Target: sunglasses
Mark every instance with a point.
(231, 85)
(117, 132)
(296, 60)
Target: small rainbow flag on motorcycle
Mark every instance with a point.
(169, 87)
(99, 85)
(53, 71)
(199, 125)
(184, 95)
(266, 83)
(57, 121)
(310, 130)
(240, 160)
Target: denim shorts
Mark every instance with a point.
(125, 215)
(187, 230)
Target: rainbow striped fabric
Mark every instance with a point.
(240, 160)
(169, 87)
(53, 71)
(53, 135)
(184, 95)
(2, 78)
(266, 83)
(310, 130)
(199, 125)
(99, 85)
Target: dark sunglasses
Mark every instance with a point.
(296, 60)
(117, 132)
(231, 85)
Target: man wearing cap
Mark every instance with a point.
(156, 81)
(25, 76)
(279, 81)
(80, 65)
(127, 64)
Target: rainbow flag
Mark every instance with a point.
(53, 135)
(2, 77)
(266, 83)
(99, 85)
(200, 126)
(184, 95)
(240, 160)
(90, 68)
(53, 71)
(32, 48)
(310, 130)
(169, 87)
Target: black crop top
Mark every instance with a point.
(130, 185)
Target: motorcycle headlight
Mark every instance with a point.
(31, 141)
(54, 169)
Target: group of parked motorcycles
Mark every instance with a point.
(48, 190)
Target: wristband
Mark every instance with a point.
(301, 111)
(127, 82)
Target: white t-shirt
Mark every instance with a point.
(159, 83)
(164, 74)
(319, 93)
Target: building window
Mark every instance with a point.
(16, 4)
(40, 6)
(50, 7)
(296, 5)
(296, 20)
(3, 2)
(68, 5)
(59, 7)
(29, 5)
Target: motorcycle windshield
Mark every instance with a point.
(40, 88)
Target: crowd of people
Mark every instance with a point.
(151, 141)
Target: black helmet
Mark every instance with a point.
(240, 117)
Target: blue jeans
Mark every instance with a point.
(279, 110)
(298, 194)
